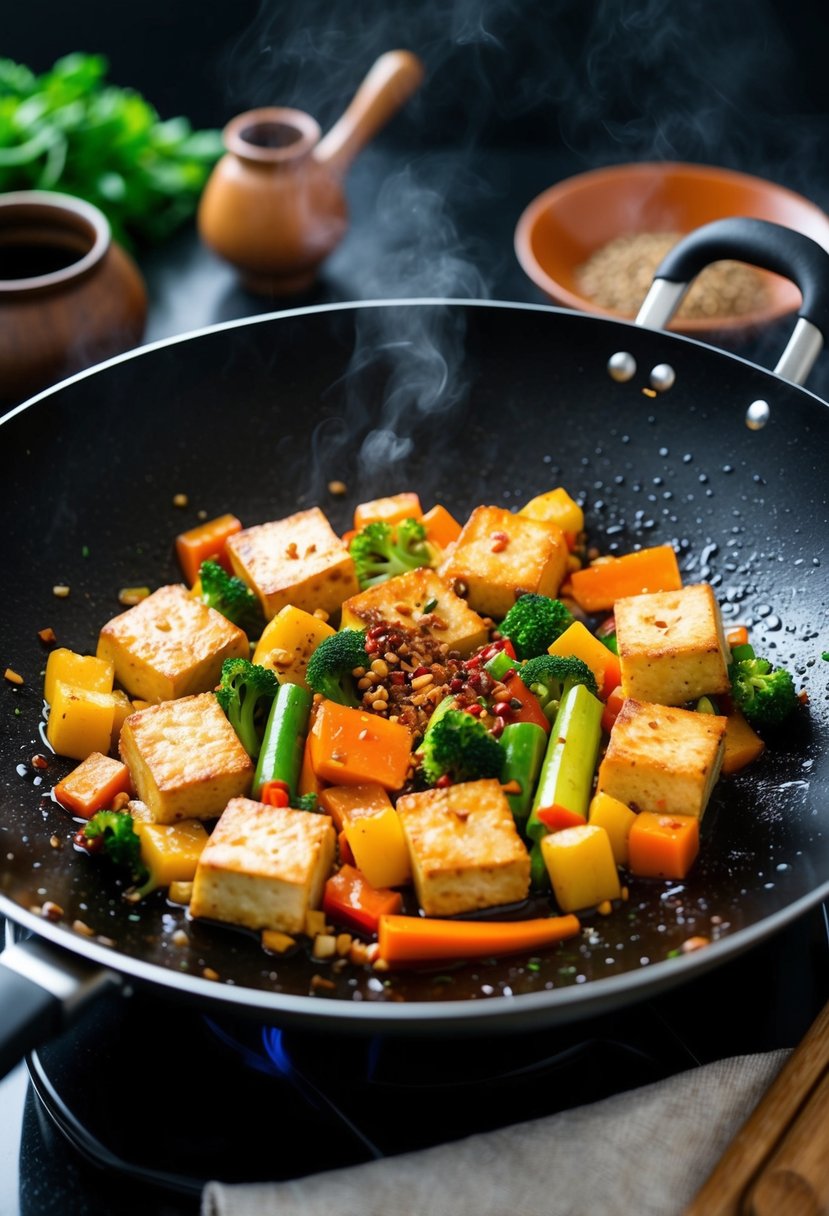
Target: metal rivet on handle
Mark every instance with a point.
(662, 377)
(621, 366)
(757, 415)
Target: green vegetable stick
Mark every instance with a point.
(570, 761)
(500, 664)
(524, 744)
(280, 758)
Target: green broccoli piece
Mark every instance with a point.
(305, 802)
(460, 746)
(380, 553)
(232, 597)
(246, 693)
(111, 833)
(765, 694)
(550, 676)
(330, 666)
(533, 623)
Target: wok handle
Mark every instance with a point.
(760, 243)
(42, 989)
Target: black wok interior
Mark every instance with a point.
(464, 403)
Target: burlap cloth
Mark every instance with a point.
(641, 1153)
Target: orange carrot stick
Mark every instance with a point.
(598, 587)
(413, 938)
(206, 541)
(662, 846)
(93, 785)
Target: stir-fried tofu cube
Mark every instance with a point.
(663, 759)
(264, 867)
(403, 601)
(499, 556)
(185, 758)
(672, 646)
(465, 850)
(170, 645)
(299, 560)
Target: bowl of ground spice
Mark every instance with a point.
(593, 242)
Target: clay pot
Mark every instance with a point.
(274, 205)
(69, 295)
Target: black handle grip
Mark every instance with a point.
(30, 1015)
(761, 243)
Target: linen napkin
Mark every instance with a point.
(645, 1152)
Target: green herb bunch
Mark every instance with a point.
(69, 130)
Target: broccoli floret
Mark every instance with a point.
(232, 597)
(380, 553)
(549, 677)
(460, 746)
(764, 693)
(304, 802)
(245, 694)
(533, 623)
(330, 666)
(112, 834)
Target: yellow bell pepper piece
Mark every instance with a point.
(288, 642)
(171, 851)
(380, 848)
(616, 819)
(556, 506)
(79, 670)
(581, 867)
(80, 721)
(579, 641)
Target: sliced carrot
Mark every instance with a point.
(206, 542)
(348, 536)
(274, 793)
(412, 938)
(391, 510)
(557, 818)
(742, 744)
(350, 900)
(612, 709)
(662, 846)
(598, 587)
(93, 785)
(350, 747)
(309, 782)
(344, 803)
(738, 636)
(441, 527)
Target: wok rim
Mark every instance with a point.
(488, 1013)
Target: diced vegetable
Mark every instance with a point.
(738, 636)
(524, 744)
(598, 587)
(283, 743)
(350, 747)
(580, 642)
(556, 506)
(415, 939)
(347, 802)
(171, 851)
(79, 670)
(616, 819)
(570, 760)
(662, 846)
(80, 721)
(441, 527)
(742, 744)
(379, 848)
(350, 900)
(308, 781)
(581, 867)
(206, 543)
(391, 510)
(557, 818)
(524, 704)
(93, 785)
(287, 643)
(612, 709)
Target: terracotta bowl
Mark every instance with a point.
(560, 229)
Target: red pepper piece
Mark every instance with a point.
(275, 793)
(556, 818)
(349, 900)
(530, 710)
(612, 708)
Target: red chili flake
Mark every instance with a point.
(500, 540)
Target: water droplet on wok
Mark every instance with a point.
(773, 623)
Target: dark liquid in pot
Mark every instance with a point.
(30, 260)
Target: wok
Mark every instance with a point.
(467, 402)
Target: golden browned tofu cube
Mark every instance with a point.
(499, 556)
(185, 759)
(264, 866)
(403, 600)
(663, 759)
(170, 645)
(299, 560)
(465, 850)
(672, 647)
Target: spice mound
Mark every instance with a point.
(617, 277)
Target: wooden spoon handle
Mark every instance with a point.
(726, 1190)
(389, 83)
(796, 1179)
